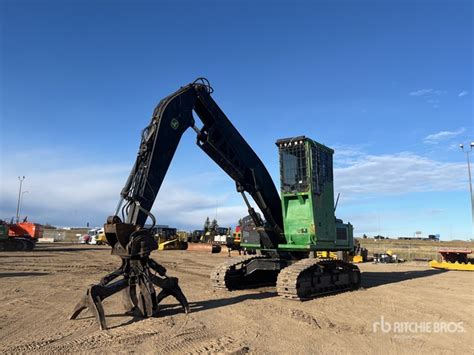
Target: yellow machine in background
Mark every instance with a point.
(453, 259)
(326, 255)
(100, 238)
(171, 239)
(359, 255)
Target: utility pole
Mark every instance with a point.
(469, 172)
(21, 202)
(19, 198)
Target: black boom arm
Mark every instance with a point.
(219, 139)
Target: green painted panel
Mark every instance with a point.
(3, 231)
(307, 195)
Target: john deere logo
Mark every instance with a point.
(174, 123)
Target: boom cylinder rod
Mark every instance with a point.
(119, 204)
(197, 130)
(246, 200)
(256, 218)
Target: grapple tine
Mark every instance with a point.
(133, 295)
(98, 311)
(145, 301)
(161, 296)
(127, 300)
(170, 287)
(80, 306)
(179, 295)
(91, 300)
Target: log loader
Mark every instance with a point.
(293, 229)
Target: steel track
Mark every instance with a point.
(310, 278)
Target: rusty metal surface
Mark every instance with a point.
(204, 247)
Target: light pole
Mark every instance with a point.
(19, 198)
(469, 172)
(21, 202)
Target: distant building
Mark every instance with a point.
(419, 236)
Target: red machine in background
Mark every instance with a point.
(19, 236)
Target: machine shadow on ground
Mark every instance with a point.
(369, 280)
(198, 306)
(373, 279)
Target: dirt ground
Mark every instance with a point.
(39, 289)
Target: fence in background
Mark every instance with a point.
(65, 235)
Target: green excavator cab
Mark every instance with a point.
(307, 199)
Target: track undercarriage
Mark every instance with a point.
(294, 279)
(17, 244)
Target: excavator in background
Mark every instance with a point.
(293, 229)
(21, 236)
(233, 240)
(213, 233)
(195, 236)
(218, 236)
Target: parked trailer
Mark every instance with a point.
(453, 259)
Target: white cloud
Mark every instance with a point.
(463, 93)
(434, 211)
(397, 174)
(435, 138)
(65, 195)
(431, 96)
(427, 92)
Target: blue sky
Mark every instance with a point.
(388, 84)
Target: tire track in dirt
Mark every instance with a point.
(57, 268)
(189, 267)
(304, 317)
(81, 339)
(225, 344)
(186, 340)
